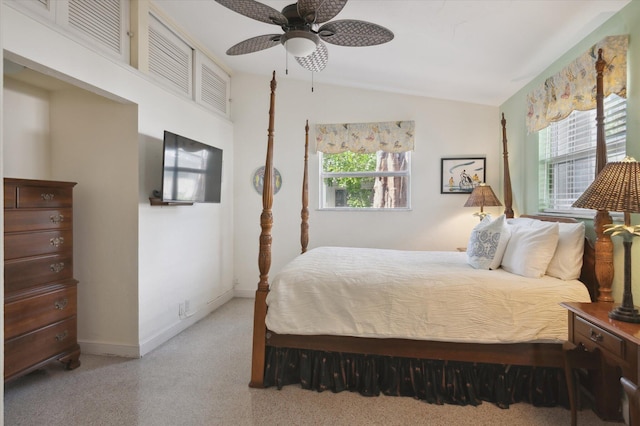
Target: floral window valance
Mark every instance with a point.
(391, 136)
(574, 87)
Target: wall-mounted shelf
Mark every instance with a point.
(158, 202)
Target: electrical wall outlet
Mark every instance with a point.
(181, 310)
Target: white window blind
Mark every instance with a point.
(567, 153)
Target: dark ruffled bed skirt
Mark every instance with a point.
(436, 382)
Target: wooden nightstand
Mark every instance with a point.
(615, 346)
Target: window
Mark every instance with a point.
(378, 180)
(567, 153)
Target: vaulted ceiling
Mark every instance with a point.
(479, 51)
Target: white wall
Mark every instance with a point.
(144, 260)
(93, 143)
(27, 135)
(436, 221)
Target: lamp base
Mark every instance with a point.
(621, 313)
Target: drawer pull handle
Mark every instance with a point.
(56, 218)
(61, 304)
(60, 337)
(57, 241)
(596, 337)
(47, 196)
(57, 267)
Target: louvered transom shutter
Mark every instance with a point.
(567, 153)
(212, 85)
(170, 58)
(100, 20)
(214, 90)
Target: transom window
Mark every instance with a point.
(377, 180)
(567, 153)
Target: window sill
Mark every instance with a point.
(581, 215)
(355, 209)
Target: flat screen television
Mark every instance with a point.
(191, 171)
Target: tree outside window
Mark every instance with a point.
(378, 180)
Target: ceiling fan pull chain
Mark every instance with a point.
(286, 63)
(312, 81)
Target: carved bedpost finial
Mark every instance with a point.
(508, 198)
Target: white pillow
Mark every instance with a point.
(487, 243)
(530, 249)
(566, 263)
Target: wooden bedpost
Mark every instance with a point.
(264, 257)
(304, 214)
(603, 244)
(508, 198)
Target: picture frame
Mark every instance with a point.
(459, 175)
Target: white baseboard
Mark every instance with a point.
(108, 349)
(248, 294)
(132, 351)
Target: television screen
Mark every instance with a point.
(192, 171)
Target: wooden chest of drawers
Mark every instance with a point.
(40, 293)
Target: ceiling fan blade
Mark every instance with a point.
(319, 11)
(255, 44)
(255, 10)
(317, 60)
(350, 32)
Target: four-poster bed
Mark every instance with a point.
(530, 371)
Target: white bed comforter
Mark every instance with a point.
(423, 295)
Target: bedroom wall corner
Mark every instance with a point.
(523, 146)
(435, 222)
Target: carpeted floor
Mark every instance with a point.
(200, 377)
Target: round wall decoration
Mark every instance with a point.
(258, 180)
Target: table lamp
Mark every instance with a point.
(482, 195)
(617, 189)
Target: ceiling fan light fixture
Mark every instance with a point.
(299, 43)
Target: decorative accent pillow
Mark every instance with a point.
(530, 249)
(487, 243)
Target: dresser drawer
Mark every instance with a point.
(10, 192)
(37, 220)
(43, 196)
(28, 314)
(22, 273)
(593, 336)
(37, 243)
(32, 348)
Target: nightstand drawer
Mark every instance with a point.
(590, 335)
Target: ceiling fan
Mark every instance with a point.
(303, 36)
